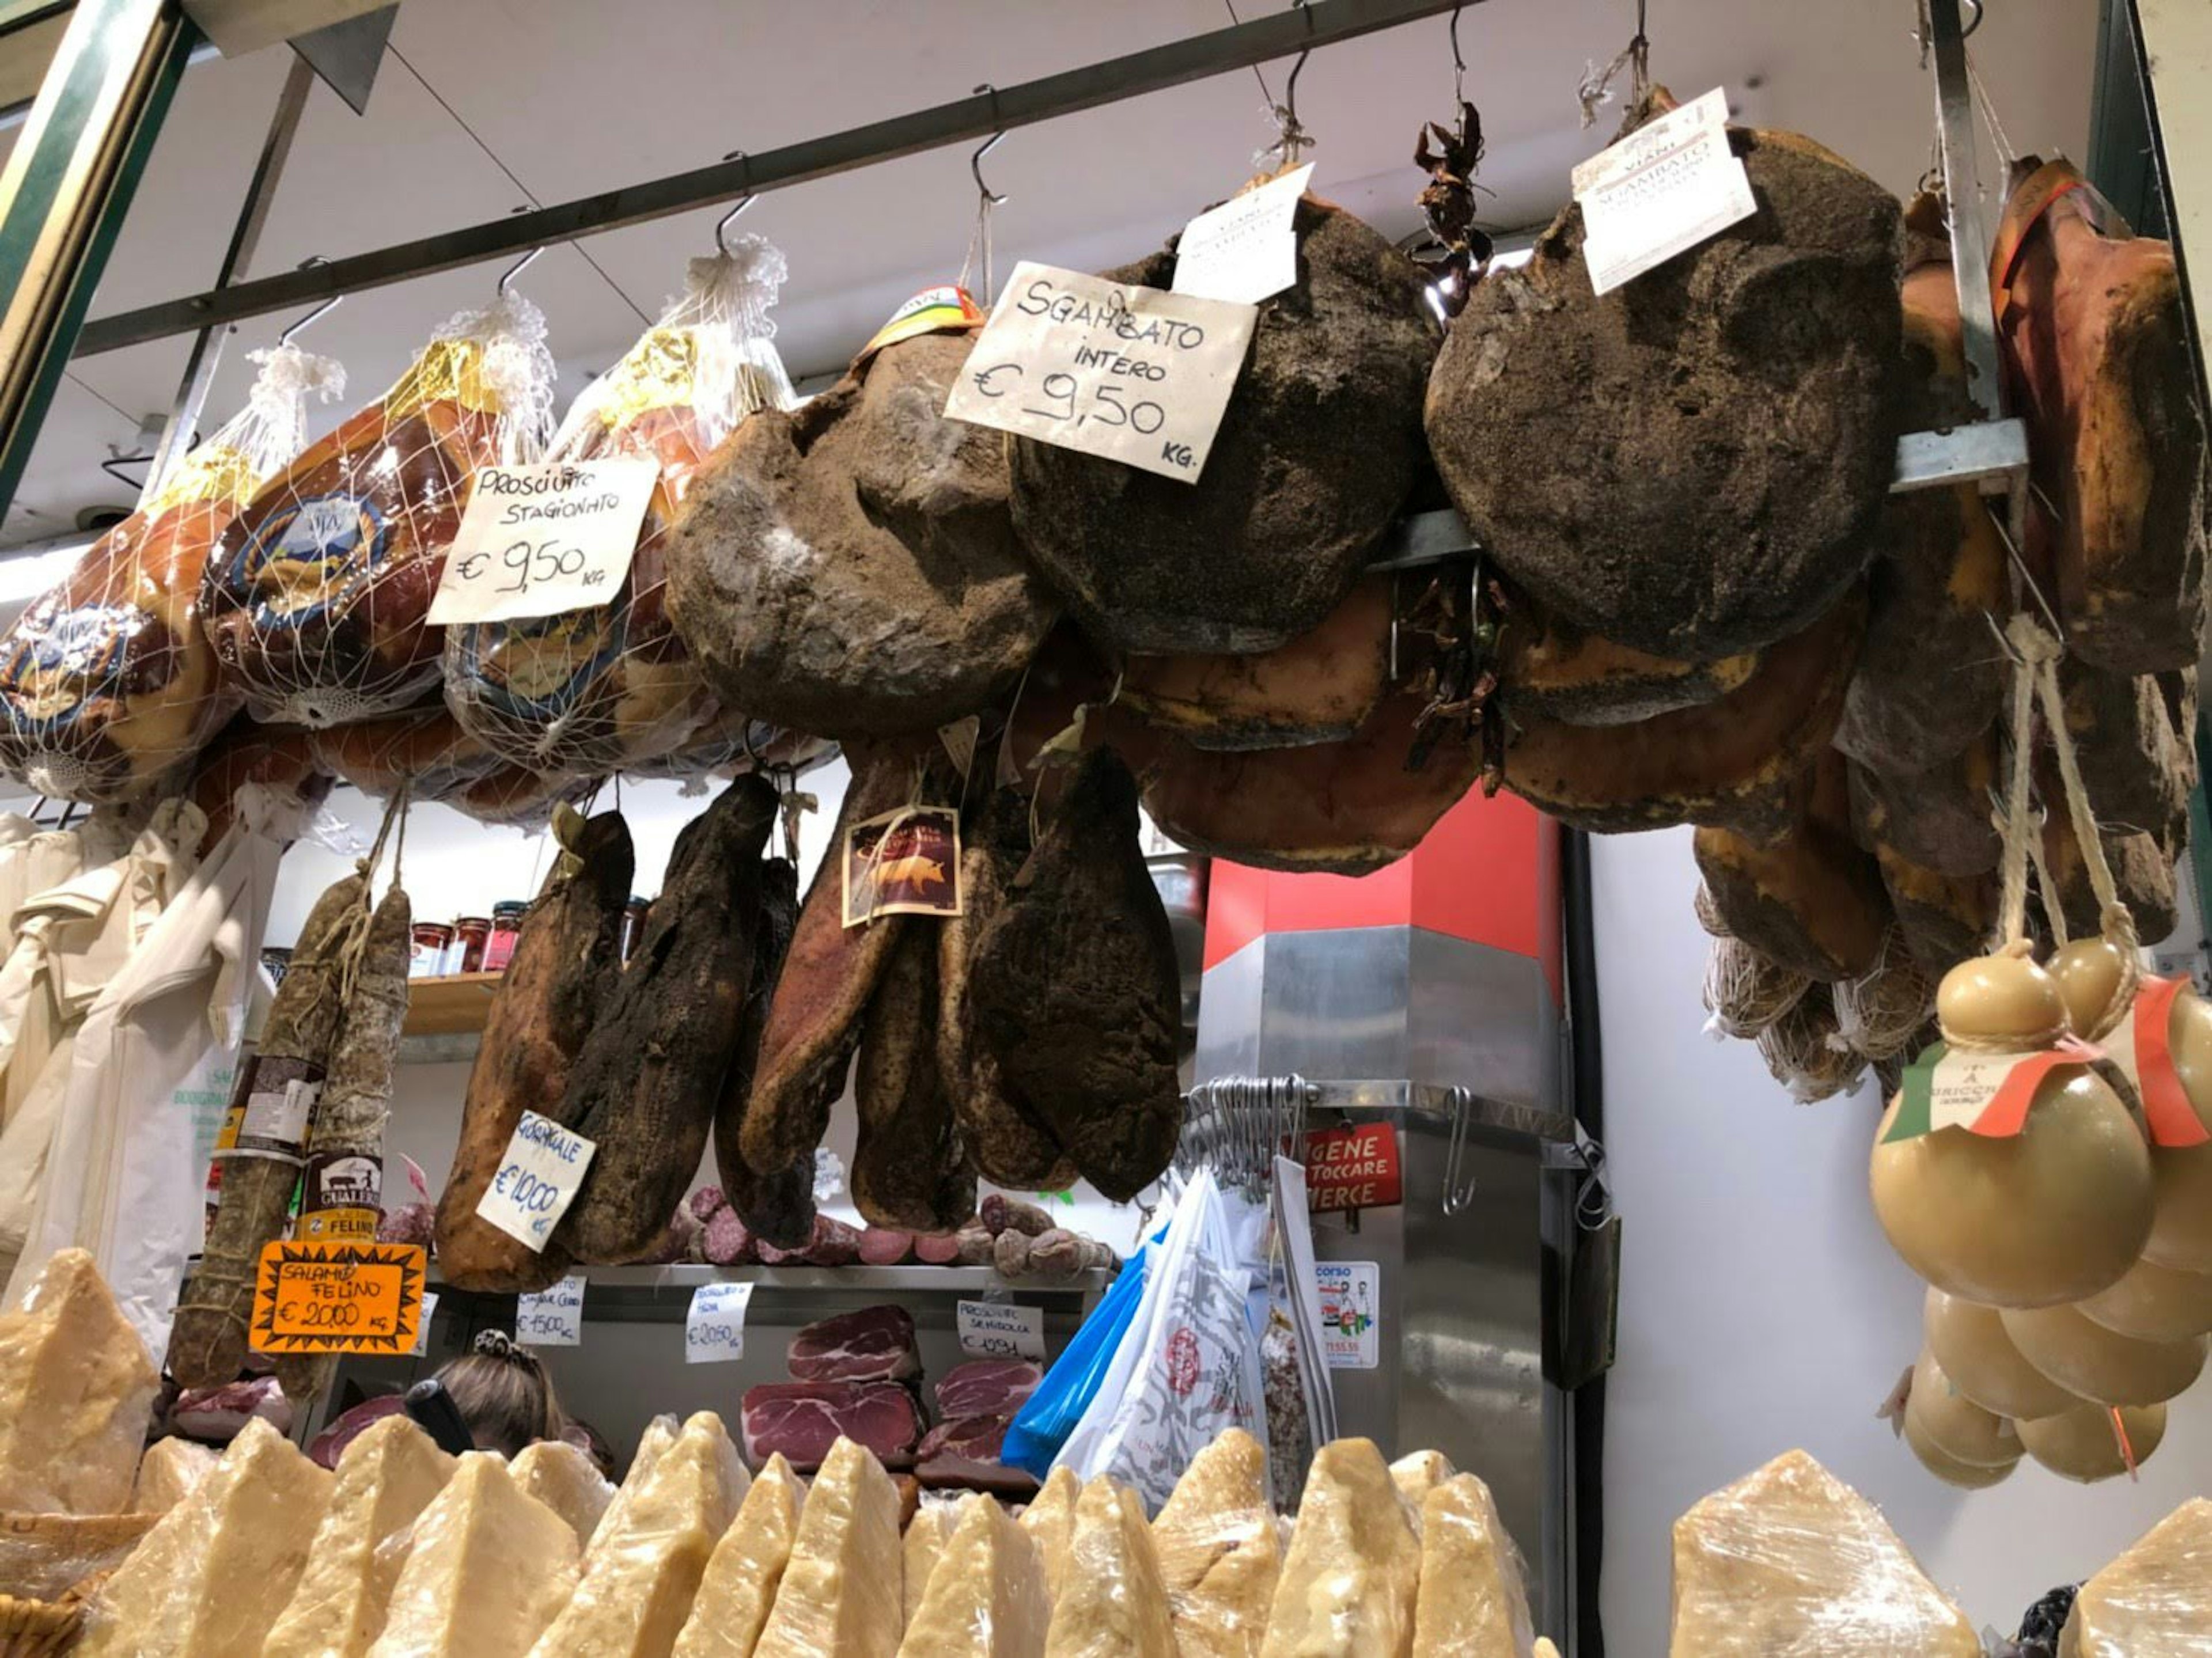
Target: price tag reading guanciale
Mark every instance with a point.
(337, 1297)
(538, 1175)
(1133, 375)
(537, 540)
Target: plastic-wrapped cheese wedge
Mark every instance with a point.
(76, 1395)
(925, 1539)
(1050, 1519)
(1353, 1568)
(1219, 1555)
(1962, 1429)
(1949, 1468)
(1970, 1344)
(2102, 1365)
(1418, 1473)
(986, 1597)
(211, 1578)
(1474, 1598)
(167, 1472)
(745, 1568)
(385, 1478)
(1112, 1603)
(2081, 1444)
(2153, 1303)
(640, 1574)
(1791, 1559)
(841, 1592)
(489, 1569)
(660, 1434)
(2053, 1214)
(2156, 1598)
(567, 1481)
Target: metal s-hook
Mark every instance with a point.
(1459, 1188)
(319, 312)
(1459, 64)
(517, 269)
(722, 225)
(976, 161)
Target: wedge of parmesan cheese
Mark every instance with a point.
(490, 1568)
(843, 1590)
(385, 1478)
(1474, 1598)
(567, 1481)
(660, 1434)
(1112, 1603)
(1791, 1559)
(926, 1535)
(743, 1573)
(167, 1472)
(213, 1575)
(1353, 1568)
(1050, 1522)
(2154, 1598)
(1416, 1475)
(76, 1395)
(643, 1570)
(1219, 1551)
(986, 1597)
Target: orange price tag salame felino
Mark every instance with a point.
(332, 1297)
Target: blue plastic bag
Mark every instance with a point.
(1046, 1418)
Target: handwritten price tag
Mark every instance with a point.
(538, 1175)
(1133, 375)
(325, 1298)
(992, 1329)
(539, 540)
(552, 1318)
(1668, 186)
(423, 1327)
(714, 1329)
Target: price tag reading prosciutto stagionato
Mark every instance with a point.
(537, 540)
(538, 1175)
(1133, 375)
(1667, 186)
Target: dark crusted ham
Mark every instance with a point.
(804, 1419)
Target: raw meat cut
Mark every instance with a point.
(875, 1344)
(218, 1414)
(1694, 464)
(909, 1169)
(1278, 524)
(829, 1243)
(986, 1387)
(328, 1446)
(964, 1455)
(850, 567)
(804, 1419)
(882, 1247)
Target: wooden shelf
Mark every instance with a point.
(451, 1006)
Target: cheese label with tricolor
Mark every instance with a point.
(1986, 1093)
(2141, 1045)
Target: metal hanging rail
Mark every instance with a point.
(1156, 69)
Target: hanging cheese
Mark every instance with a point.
(1416, 1474)
(986, 1597)
(1350, 1578)
(841, 1592)
(641, 1576)
(1050, 1518)
(2153, 1303)
(1970, 1343)
(2054, 1212)
(2181, 1229)
(76, 1395)
(924, 1542)
(385, 1480)
(167, 1472)
(1789, 1559)
(1219, 1556)
(489, 1568)
(211, 1578)
(2082, 1444)
(2099, 1365)
(1954, 1423)
(1112, 1603)
(1473, 1598)
(2156, 1600)
(1966, 1475)
(745, 1568)
(562, 1477)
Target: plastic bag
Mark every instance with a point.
(605, 687)
(108, 682)
(1050, 1414)
(318, 599)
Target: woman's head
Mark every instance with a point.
(503, 1394)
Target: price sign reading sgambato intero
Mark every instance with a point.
(1133, 375)
(535, 541)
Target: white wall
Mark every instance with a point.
(1762, 1310)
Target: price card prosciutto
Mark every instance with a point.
(535, 541)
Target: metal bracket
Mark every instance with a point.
(1593, 1193)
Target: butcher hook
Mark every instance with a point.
(976, 161)
(319, 312)
(1459, 1189)
(722, 225)
(1459, 64)
(517, 269)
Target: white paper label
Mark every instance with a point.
(1351, 1298)
(1663, 189)
(1133, 375)
(714, 1329)
(552, 1318)
(539, 540)
(538, 1175)
(1245, 250)
(1961, 1086)
(423, 1325)
(992, 1329)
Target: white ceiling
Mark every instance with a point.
(575, 96)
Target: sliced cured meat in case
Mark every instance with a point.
(875, 1344)
(803, 1419)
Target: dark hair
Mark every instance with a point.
(503, 1394)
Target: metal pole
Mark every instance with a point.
(207, 344)
(1276, 34)
(1969, 245)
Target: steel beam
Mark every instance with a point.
(1156, 69)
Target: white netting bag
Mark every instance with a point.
(1880, 1013)
(1744, 991)
(107, 682)
(1804, 1053)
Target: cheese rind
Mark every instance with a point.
(213, 1574)
(1350, 1580)
(1473, 1598)
(1790, 1560)
(839, 1592)
(1050, 1522)
(167, 1472)
(2154, 1598)
(926, 1534)
(1112, 1602)
(986, 1597)
(385, 1478)
(1219, 1551)
(745, 1569)
(567, 1481)
(489, 1568)
(76, 1395)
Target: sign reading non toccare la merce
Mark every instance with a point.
(337, 1297)
(1353, 1166)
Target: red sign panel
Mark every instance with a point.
(1354, 1167)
